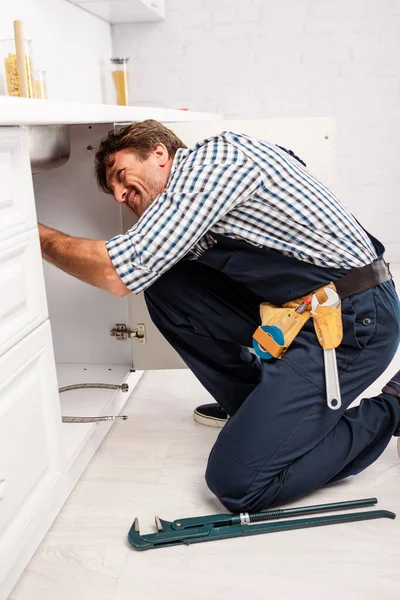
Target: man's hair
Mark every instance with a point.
(140, 137)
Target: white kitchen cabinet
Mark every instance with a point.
(81, 349)
(125, 11)
(42, 457)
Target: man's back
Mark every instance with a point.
(289, 210)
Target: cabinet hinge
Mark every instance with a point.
(122, 333)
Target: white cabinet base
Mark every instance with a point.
(81, 440)
(30, 451)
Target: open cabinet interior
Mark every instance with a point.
(81, 316)
(311, 138)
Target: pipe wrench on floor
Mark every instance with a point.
(221, 526)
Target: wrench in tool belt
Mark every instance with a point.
(333, 396)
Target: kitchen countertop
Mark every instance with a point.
(26, 111)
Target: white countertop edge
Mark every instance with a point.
(26, 111)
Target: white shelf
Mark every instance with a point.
(91, 402)
(124, 11)
(26, 111)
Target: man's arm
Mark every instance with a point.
(88, 260)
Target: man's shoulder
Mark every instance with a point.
(215, 151)
(226, 136)
(225, 146)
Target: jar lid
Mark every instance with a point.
(119, 61)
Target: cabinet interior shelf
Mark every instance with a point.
(90, 402)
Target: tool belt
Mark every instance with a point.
(281, 324)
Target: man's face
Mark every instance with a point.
(137, 183)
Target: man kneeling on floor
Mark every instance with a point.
(225, 226)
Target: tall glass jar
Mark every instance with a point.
(10, 67)
(120, 79)
(40, 87)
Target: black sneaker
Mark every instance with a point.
(212, 415)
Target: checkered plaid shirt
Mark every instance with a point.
(243, 188)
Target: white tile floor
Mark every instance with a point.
(153, 464)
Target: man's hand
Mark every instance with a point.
(88, 260)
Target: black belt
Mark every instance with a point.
(362, 279)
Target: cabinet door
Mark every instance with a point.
(17, 206)
(23, 304)
(29, 443)
(313, 139)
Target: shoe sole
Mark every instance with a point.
(208, 421)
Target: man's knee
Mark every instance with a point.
(237, 487)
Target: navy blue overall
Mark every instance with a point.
(282, 440)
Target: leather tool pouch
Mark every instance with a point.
(286, 319)
(327, 323)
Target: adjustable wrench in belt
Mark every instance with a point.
(333, 396)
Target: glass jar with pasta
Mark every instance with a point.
(40, 86)
(120, 78)
(10, 67)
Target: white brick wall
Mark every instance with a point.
(263, 58)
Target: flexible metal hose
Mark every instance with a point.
(105, 386)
